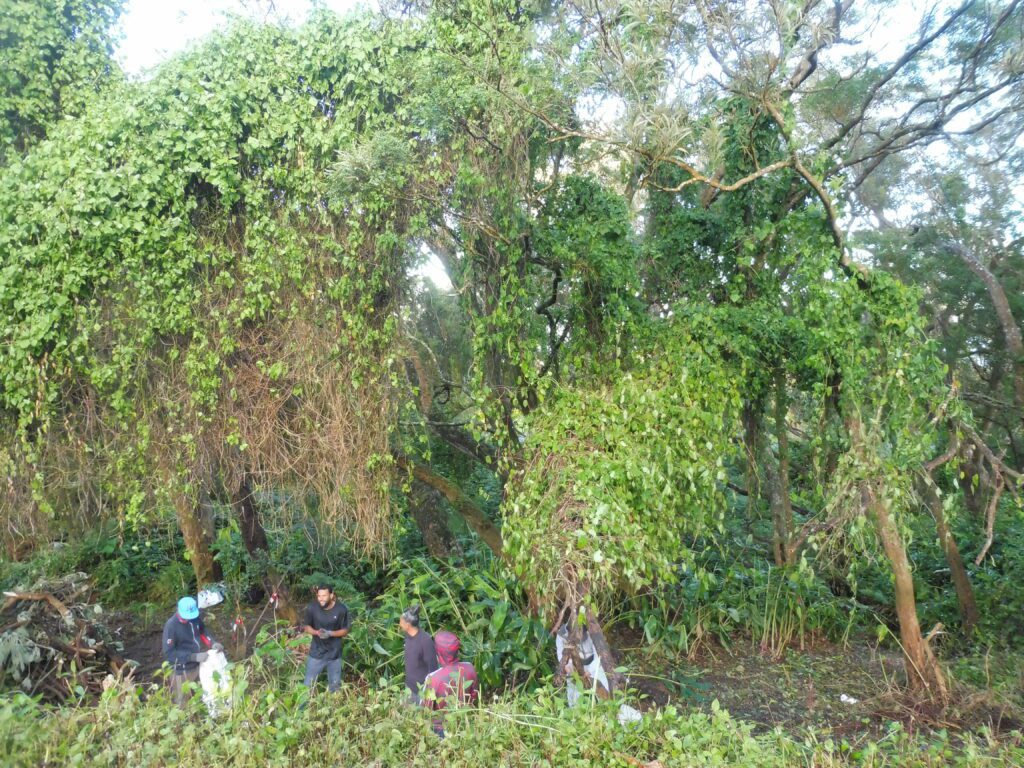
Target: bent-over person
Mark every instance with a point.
(454, 683)
(186, 643)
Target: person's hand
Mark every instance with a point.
(324, 634)
(200, 657)
(218, 647)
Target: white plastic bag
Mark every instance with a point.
(215, 678)
(594, 670)
(209, 597)
(629, 716)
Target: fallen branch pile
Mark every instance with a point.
(53, 641)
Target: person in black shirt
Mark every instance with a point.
(420, 654)
(327, 621)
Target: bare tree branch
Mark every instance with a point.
(897, 66)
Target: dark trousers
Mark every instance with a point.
(315, 666)
(177, 685)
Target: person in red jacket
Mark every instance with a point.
(453, 683)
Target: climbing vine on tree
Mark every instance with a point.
(203, 271)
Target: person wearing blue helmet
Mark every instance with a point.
(186, 644)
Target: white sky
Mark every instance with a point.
(153, 30)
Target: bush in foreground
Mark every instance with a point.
(272, 725)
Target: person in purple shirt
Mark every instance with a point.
(420, 655)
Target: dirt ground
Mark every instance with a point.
(821, 686)
(856, 690)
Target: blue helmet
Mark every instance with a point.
(188, 608)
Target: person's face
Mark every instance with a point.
(325, 597)
(403, 625)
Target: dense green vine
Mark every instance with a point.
(201, 248)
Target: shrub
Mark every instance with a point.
(271, 725)
(776, 607)
(480, 603)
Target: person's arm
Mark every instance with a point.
(205, 639)
(175, 655)
(169, 646)
(307, 623)
(344, 625)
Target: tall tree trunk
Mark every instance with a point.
(777, 491)
(961, 581)
(751, 449)
(425, 505)
(771, 480)
(976, 484)
(243, 502)
(923, 671)
(196, 542)
(463, 505)
(206, 517)
(829, 415)
(785, 503)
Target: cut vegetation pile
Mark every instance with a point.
(54, 643)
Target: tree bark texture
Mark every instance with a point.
(426, 507)
(254, 537)
(777, 490)
(961, 581)
(196, 542)
(923, 671)
(1007, 323)
(751, 437)
(786, 524)
(604, 650)
(463, 505)
(206, 516)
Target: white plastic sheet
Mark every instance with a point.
(593, 669)
(215, 679)
(629, 716)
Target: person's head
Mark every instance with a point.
(447, 645)
(188, 608)
(409, 622)
(324, 595)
